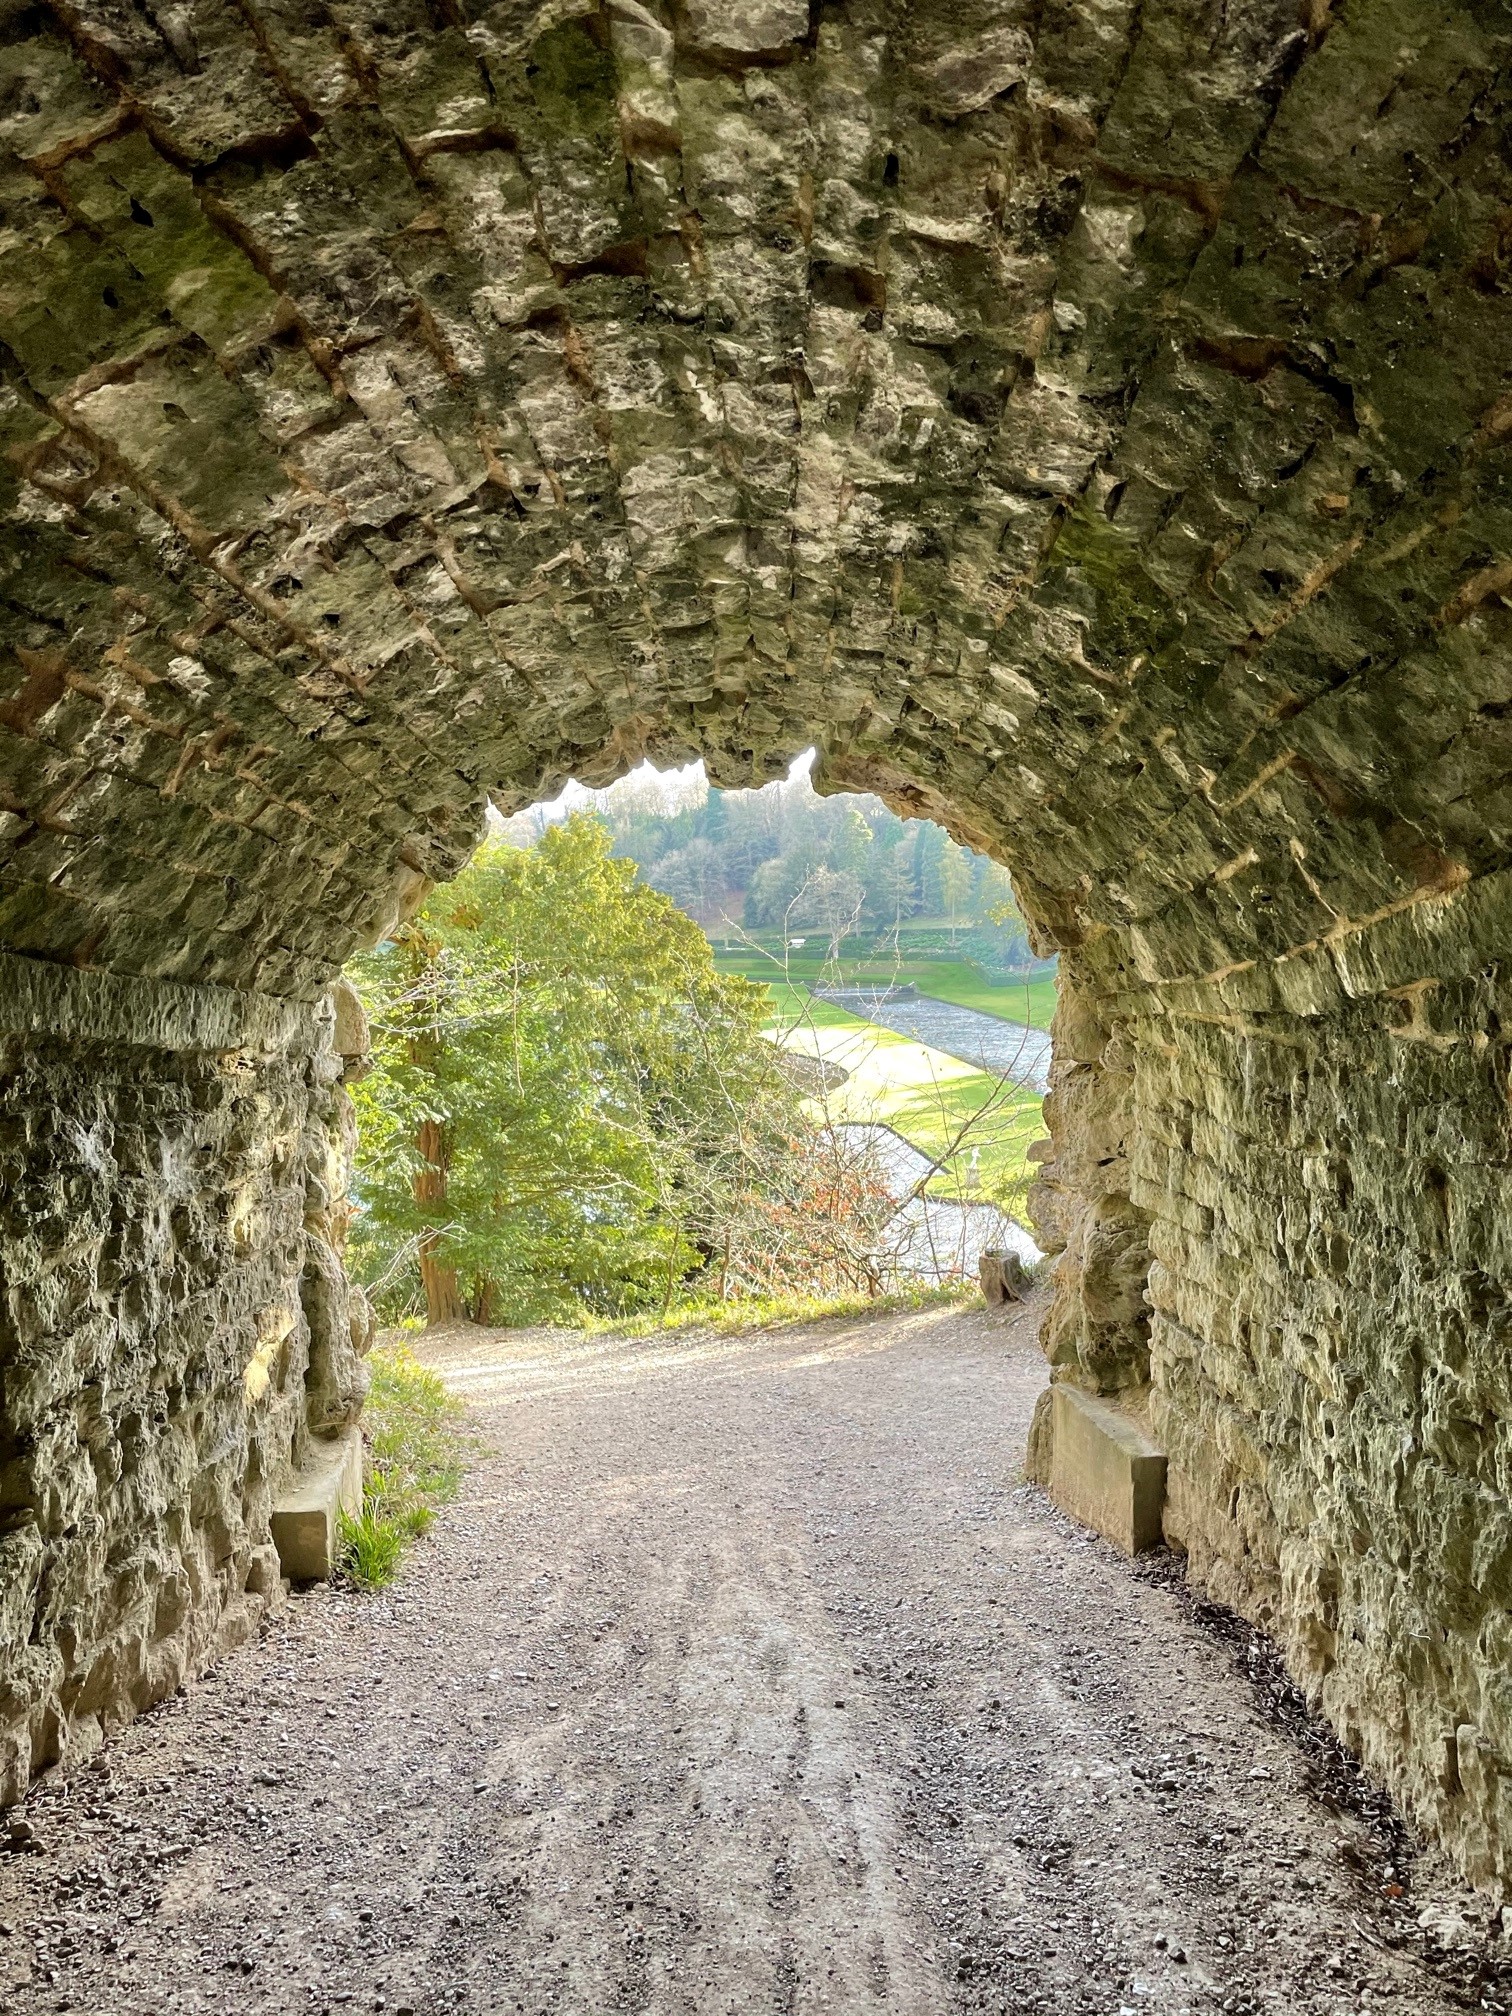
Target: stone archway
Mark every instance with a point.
(1090, 421)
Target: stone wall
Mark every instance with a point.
(170, 1335)
(1087, 423)
(1331, 1349)
(1308, 1291)
(1096, 1330)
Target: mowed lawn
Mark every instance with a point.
(793, 1004)
(1028, 1001)
(942, 1105)
(958, 980)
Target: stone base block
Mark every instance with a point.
(1105, 1470)
(304, 1522)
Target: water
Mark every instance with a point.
(1007, 1049)
(929, 1238)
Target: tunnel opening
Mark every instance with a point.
(791, 1045)
(1097, 441)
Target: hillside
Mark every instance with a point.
(784, 874)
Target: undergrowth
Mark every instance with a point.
(414, 1463)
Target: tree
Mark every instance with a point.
(690, 875)
(779, 886)
(930, 849)
(851, 843)
(761, 855)
(558, 1073)
(769, 893)
(831, 900)
(992, 900)
(890, 890)
(955, 884)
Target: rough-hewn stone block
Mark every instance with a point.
(306, 1516)
(1105, 1470)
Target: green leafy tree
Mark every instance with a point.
(955, 884)
(992, 899)
(558, 1078)
(851, 843)
(930, 850)
(890, 890)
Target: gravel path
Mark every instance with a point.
(744, 1679)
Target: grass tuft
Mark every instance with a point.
(414, 1464)
(372, 1547)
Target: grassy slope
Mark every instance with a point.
(793, 1005)
(921, 1092)
(957, 980)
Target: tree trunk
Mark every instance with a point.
(443, 1297)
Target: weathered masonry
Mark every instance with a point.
(1089, 421)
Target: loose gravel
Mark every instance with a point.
(746, 1677)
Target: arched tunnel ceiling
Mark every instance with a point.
(1087, 416)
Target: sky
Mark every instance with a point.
(664, 791)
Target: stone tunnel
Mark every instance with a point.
(1087, 421)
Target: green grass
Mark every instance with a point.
(373, 1547)
(928, 1097)
(773, 1312)
(792, 1004)
(932, 1118)
(414, 1464)
(955, 980)
(923, 1093)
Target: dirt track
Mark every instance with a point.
(745, 1678)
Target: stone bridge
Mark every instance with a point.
(1088, 421)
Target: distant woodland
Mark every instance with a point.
(784, 860)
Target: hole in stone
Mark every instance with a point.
(140, 215)
(1436, 1190)
(853, 287)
